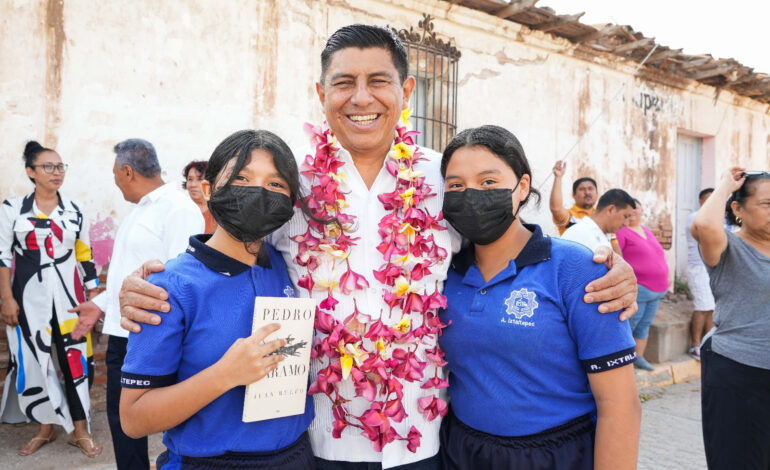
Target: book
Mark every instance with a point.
(284, 390)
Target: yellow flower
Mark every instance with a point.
(408, 174)
(324, 284)
(341, 203)
(339, 254)
(407, 197)
(379, 345)
(401, 151)
(338, 177)
(408, 230)
(404, 287)
(405, 115)
(331, 230)
(346, 362)
(408, 258)
(350, 353)
(404, 324)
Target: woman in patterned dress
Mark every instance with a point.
(46, 236)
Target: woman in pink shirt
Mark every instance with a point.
(643, 252)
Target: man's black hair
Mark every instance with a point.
(615, 197)
(365, 36)
(583, 180)
(703, 193)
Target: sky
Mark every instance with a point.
(724, 29)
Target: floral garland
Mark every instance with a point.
(377, 366)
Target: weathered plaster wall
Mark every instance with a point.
(80, 76)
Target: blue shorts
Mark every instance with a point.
(566, 447)
(296, 456)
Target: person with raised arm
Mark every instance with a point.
(735, 357)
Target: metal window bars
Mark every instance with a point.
(433, 64)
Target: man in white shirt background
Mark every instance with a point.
(698, 281)
(363, 89)
(159, 227)
(612, 213)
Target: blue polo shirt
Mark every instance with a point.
(212, 305)
(521, 345)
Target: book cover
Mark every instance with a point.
(284, 390)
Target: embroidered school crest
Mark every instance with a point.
(521, 303)
(289, 291)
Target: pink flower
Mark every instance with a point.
(329, 302)
(306, 282)
(435, 300)
(380, 330)
(413, 439)
(340, 422)
(391, 386)
(351, 281)
(365, 388)
(325, 380)
(432, 407)
(436, 356)
(377, 365)
(388, 274)
(324, 322)
(435, 382)
(421, 270)
(390, 200)
(394, 410)
(409, 367)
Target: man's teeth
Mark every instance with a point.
(368, 119)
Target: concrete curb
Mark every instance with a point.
(668, 373)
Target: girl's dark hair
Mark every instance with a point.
(500, 142)
(240, 144)
(31, 152)
(199, 165)
(742, 194)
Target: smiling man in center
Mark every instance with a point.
(378, 268)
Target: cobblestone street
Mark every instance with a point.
(671, 429)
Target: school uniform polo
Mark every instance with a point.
(520, 346)
(212, 305)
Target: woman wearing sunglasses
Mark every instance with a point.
(735, 357)
(46, 235)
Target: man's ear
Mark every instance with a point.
(408, 88)
(129, 172)
(206, 189)
(319, 89)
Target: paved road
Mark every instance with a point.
(58, 455)
(671, 429)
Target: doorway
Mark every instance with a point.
(689, 155)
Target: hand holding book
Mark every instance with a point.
(249, 360)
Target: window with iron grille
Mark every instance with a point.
(433, 64)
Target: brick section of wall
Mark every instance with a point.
(664, 232)
(99, 346)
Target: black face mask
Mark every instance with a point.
(481, 216)
(249, 213)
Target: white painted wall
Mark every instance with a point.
(186, 74)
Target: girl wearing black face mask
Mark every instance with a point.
(539, 379)
(186, 375)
